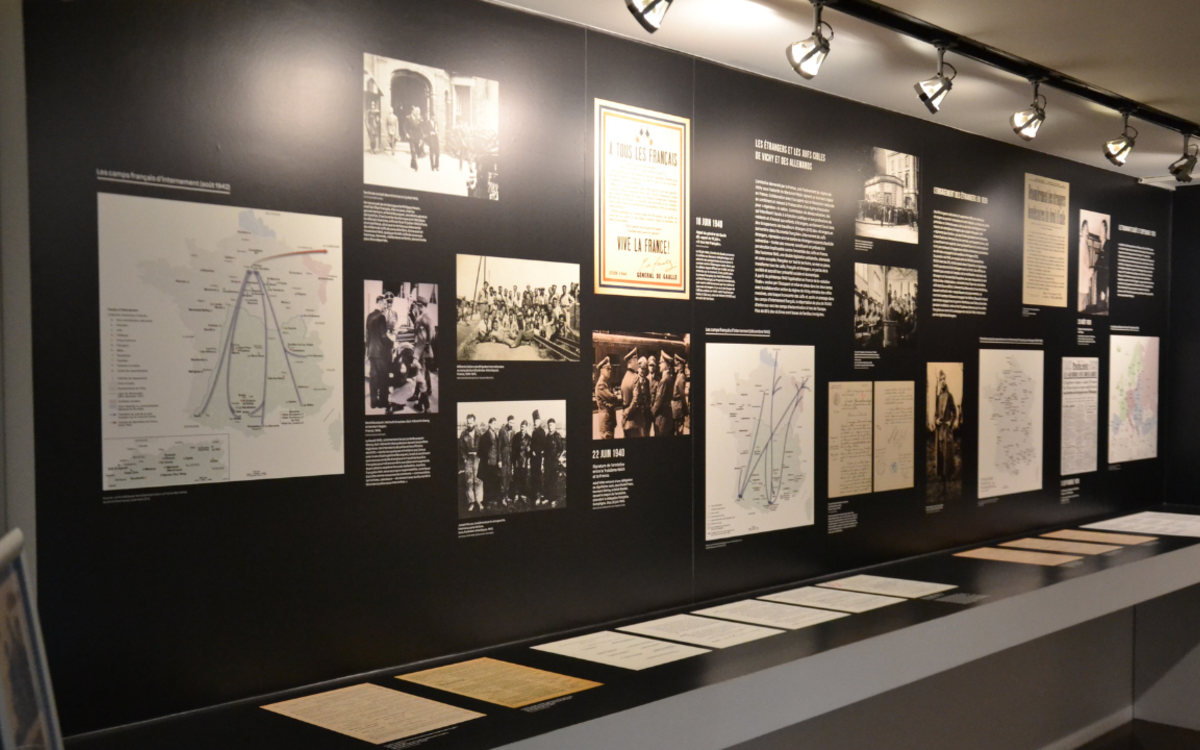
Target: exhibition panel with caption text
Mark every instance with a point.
(629, 343)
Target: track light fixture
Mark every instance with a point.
(649, 13)
(934, 90)
(806, 56)
(1182, 168)
(1027, 122)
(1117, 150)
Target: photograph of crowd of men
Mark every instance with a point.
(513, 309)
(641, 385)
(1095, 252)
(891, 186)
(512, 457)
(943, 422)
(885, 306)
(401, 338)
(414, 114)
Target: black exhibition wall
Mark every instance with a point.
(254, 478)
(1181, 441)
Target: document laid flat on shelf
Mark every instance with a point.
(784, 616)
(499, 682)
(1023, 557)
(882, 586)
(840, 601)
(701, 631)
(1152, 522)
(1056, 545)
(372, 713)
(1100, 537)
(621, 650)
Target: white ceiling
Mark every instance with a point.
(1144, 51)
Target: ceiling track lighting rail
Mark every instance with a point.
(880, 15)
(807, 55)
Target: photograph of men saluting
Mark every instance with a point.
(641, 387)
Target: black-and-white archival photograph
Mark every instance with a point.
(430, 129)
(514, 309)
(400, 336)
(512, 457)
(1095, 252)
(885, 306)
(943, 425)
(641, 385)
(891, 186)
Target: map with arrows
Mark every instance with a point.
(759, 444)
(221, 343)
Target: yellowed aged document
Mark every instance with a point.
(1018, 556)
(499, 682)
(1057, 545)
(372, 713)
(1100, 537)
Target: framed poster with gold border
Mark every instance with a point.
(643, 160)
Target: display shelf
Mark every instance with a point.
(732, 695)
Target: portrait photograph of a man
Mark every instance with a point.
(943, 422)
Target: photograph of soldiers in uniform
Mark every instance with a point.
(414, 115)
(891, 185)
(1095, 252)
(514, 309)
(885, 306)
(401, 338)
(641, 385)
(943, 423)
(512, 457)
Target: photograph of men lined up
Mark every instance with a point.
(512, 457)
(641, 385)
(514, 309)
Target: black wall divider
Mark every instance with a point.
(165, 599)
(1182, 443)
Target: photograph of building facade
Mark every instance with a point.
(889, 209)
(413, 115)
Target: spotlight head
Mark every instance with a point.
(806, 56)
(649, 13)
(932, 91)
(1118, 149)
(1027, 122)
(1181, 169)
